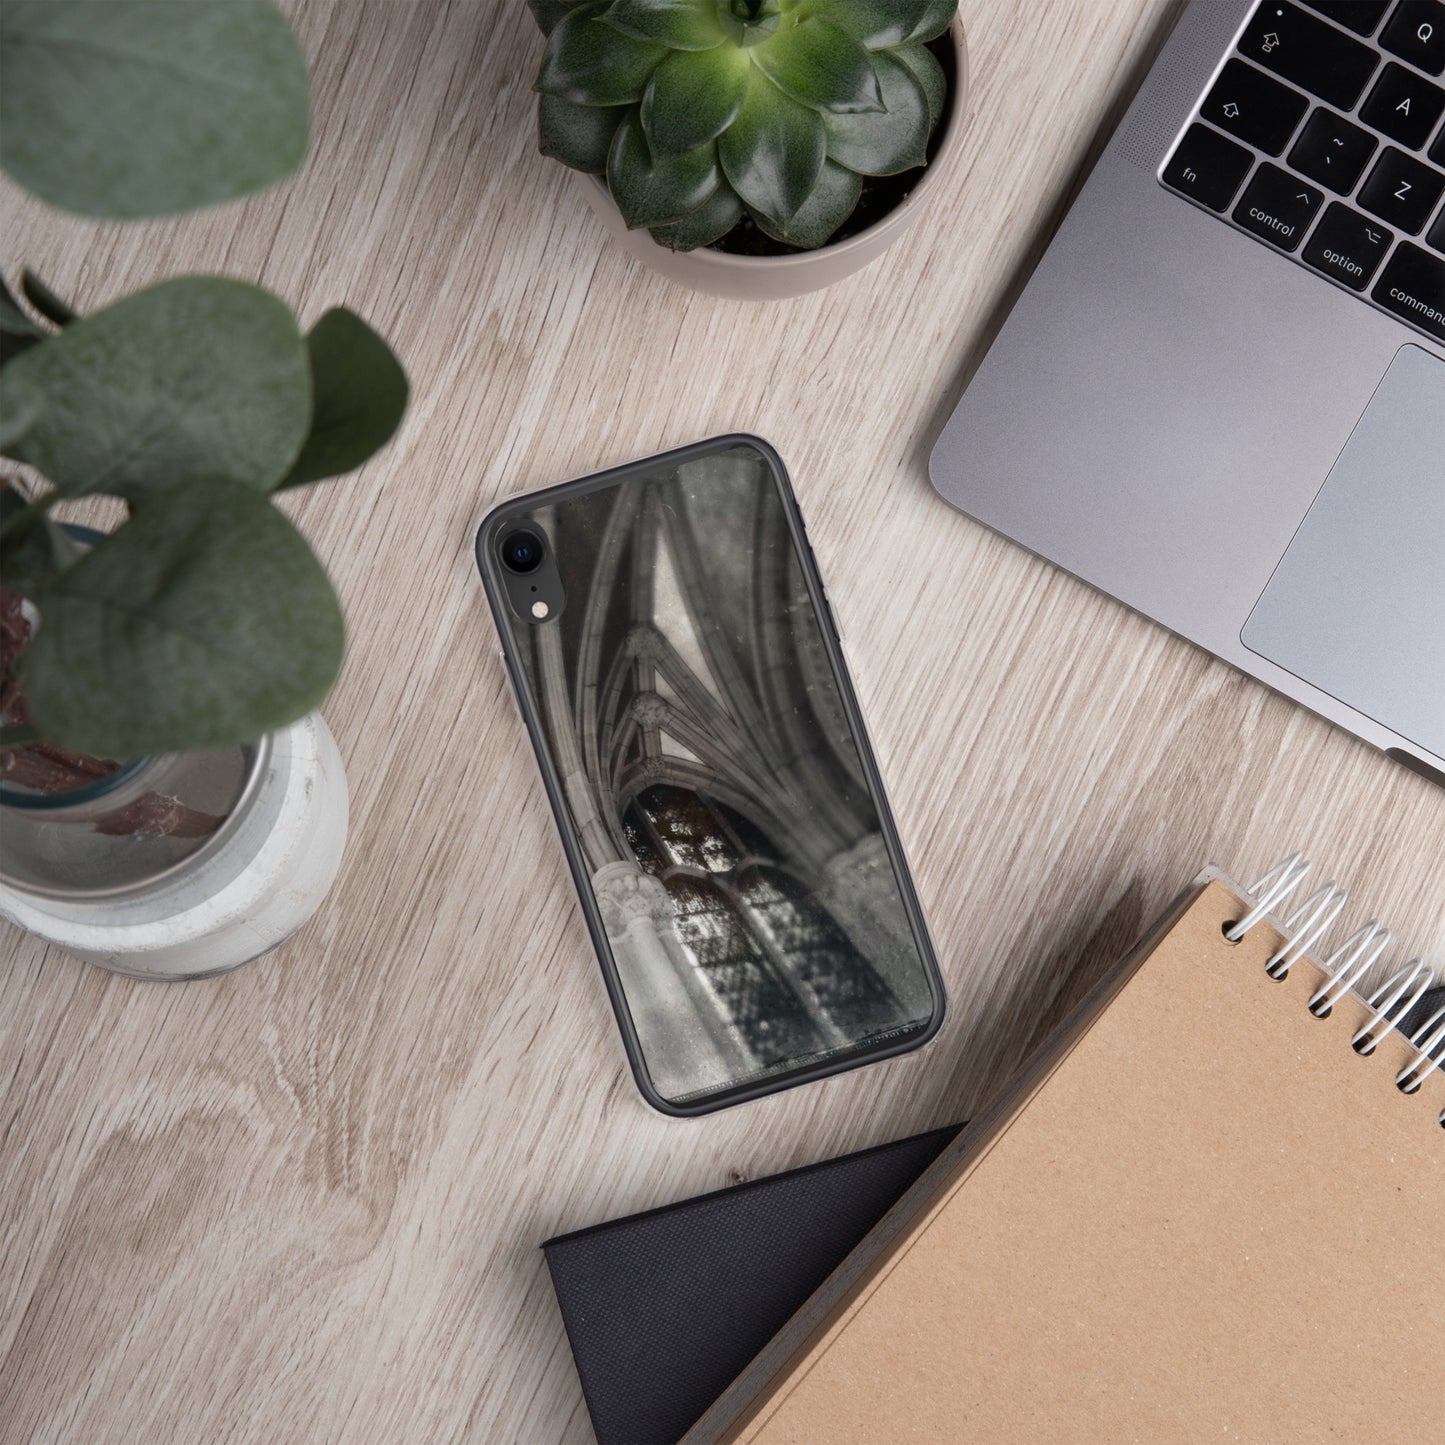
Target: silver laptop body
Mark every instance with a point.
(1197, 423)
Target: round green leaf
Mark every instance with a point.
(772, 153)
(877, 24)
(883, 145)
(205, 620)
(652, 193)
(577, 135)
(693, 97)
(819, 65)
(714, 218)
(829, 205)
(678, 24)
(358, 392)
(125, 108)
(590, 62)
(195, 377)
(929, 74)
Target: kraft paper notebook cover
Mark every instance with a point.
(1201, 1214)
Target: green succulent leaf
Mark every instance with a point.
(693, 97)
(590, 62)
(358, 392)
(652, 193)
(883, 145)
(929, 74)
(548, 12)
(713, 219)
(881, 24)
(45, 301)
(204, 621)
(936, 17)
(749, 22)
(772, 153)
(678, 24)
(577, 135)
(819, 65)
(18, 333)
(198, 376)
(126, 108)
(830, 204)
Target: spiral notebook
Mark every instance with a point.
(1211, 1209)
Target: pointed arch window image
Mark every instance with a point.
(786, 975)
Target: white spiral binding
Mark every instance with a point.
(1346, 966)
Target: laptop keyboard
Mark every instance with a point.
(1323, 135)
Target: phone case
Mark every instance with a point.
(703, 752)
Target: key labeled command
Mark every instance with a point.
(1278, 207)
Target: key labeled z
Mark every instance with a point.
(1400, 194)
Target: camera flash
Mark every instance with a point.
(540, 609)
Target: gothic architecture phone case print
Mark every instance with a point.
(669, 641)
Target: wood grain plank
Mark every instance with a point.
(303, 1202)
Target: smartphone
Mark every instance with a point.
(677, 665)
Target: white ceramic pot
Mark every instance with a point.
(245, 888)
(772, 278)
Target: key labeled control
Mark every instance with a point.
(1278, 207)
(1348, 246)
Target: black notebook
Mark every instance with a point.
(663, 1309)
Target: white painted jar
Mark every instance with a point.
(155, 905)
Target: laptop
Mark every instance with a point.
(1221, 396)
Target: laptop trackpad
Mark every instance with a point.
(1357, 604)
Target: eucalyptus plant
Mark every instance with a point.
(204, 618)
(699, 111)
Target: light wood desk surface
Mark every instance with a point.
(303, 1202)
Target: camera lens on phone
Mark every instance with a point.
(522, 551)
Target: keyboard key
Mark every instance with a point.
(1361, 16)
(1278, 206)
(1207, 167)
(1306, 50)
(1260, 111)
(1413, 287)
(1347, 246)
(1416, 32)
(1435, 236)
(1401, 191)
(1332, 151)
(1437, 148)
(1403, 105)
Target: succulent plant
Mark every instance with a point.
(699, 111)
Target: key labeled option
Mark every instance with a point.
(1260, 111)
(1278, 207)
(1413, 287)
(1332, 151)
(1207, 167)
(1402, 191)
(1348, 246)
(1403, 105)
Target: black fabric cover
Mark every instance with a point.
(663, 1309)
